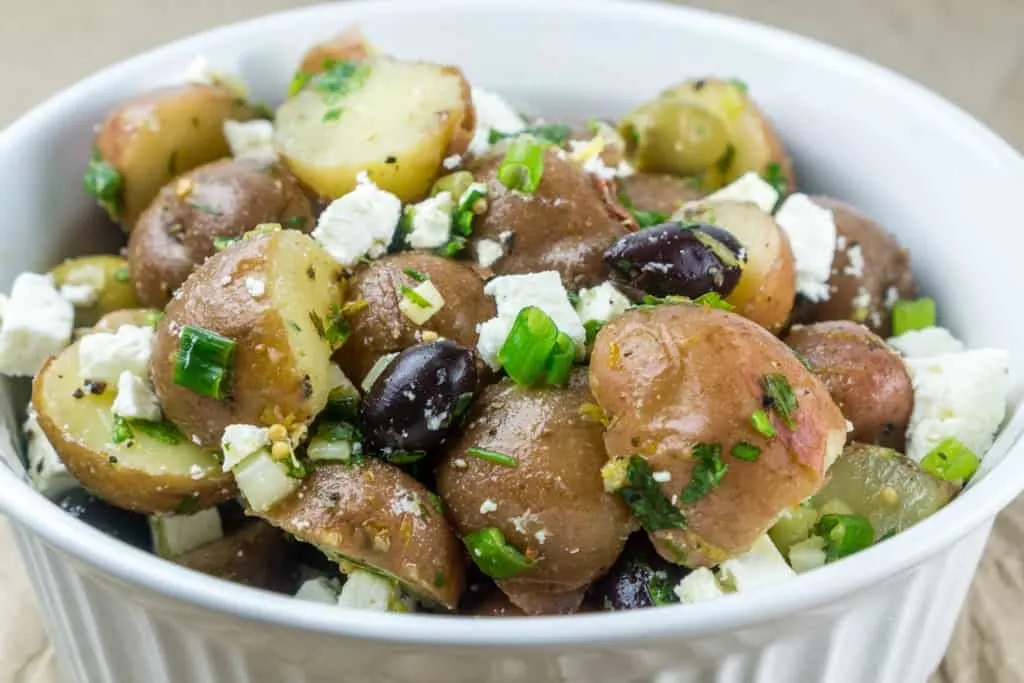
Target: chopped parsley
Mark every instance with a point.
(707, 472)
(645, 498)
(776, 177)
(105, 183)
(708, 299)
(453, 246)
(762, 424)
(332, 114)
(746, 451)
(497, 457)
(339, 78)
(780, 396)
(222, 243)
(162, 431)
(122, 430)
(660, 590)
(644, 219)
(335, 330)
(551, 133)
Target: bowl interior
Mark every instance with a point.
(942, 183)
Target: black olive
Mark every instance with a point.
(639, 578)
(130, 527)
(420, 396)
(676, 259)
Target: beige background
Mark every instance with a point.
(972, 51)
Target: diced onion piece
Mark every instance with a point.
(421, 303)
(376, 371)
(263, 481)
(175, 535)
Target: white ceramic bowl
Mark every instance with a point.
(946, 185)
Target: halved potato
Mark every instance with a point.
(256, 555)
(395, 120)
(376, 516)
(146, 473)
(139, 317)
(152, 138)
(107, 275)
(350, 44)
(277, 296)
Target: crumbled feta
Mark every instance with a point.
(406, 503)
(239, 441)
(488, 506)
(513, 293)
(452, 162)
(662, 477)
(322, 589)
(849, 426)
(522, 522)
(421, 303)
(892, 295)
(597, 168)
(431, 221)
(931, 341)
(360, 223)
(601, 303)
(200, 72)
(104, 355)
(255, 286)
(175, 535)
(251, 139)
(136, 399)
(749, 187)
(46, 471)
(760, 566)
(855, 261)
(957, 395)
(363, 590)
(492, 113)
(807, 554)
(37, 324)
(811, 230)
(541, 535)
(81, 296)
(376, 370)
(697, 586)
(488, 252)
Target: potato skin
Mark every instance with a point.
(767, 287)
(144, 474)
(108, 271)
(375, 515)
(280, 364)
(886, 266)
(555, 489)
(225, 198)
(257, 555)
(865, 377)
(348, 45)
(381, 328)
(678, 375)
(659, 192)
(564, 226)
(152, 137)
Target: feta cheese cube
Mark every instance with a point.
(239, 441)
(491, 335)
(488, 506)
(492, 113)
(931, 341)
(104, 355)
(37, 324)
(421, 303)
(488, 252)
(811, 230)
(807, 554)
(363, 590)
(81, 296)
(136, 399)
(46, 471)
(262, 481)
(359, 224)
(175, 535)
(749, 187)
(251, 139)
(762, 565)
(697, 586)
(322, 589)
(431, 222)
(255, 286)
(601, 303)
(957, 395)
(201, 72)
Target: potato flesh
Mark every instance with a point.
(405, 112)
(105, 272)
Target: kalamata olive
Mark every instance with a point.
(639, 578)
(419, 397)
(677, 259)
(130, 527)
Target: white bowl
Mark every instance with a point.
(945, 184)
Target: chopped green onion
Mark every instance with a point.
(415, 274)
(529, 343)
(844, 535)
(592, 327)
(559, 364)
(783, 400)
(204, 359)
(746, 451)
(950, 460)
(103, 181)
(633, 480)
(497, 457)
(707, 473)
(404, 457)
(660, 590)
(912, 314)
(523, 165)
(122, 430)
(122, 274)
(776, 177)
(163, 431)
(551, 133)
(713, 300)
(761, 422)
(452, 247)
(222, 243)
(495, 557)
(299, 81)
(414, 297)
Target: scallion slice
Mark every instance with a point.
(746, 451)
(495, 557)
(560, 361)
(530, 342)
(762, 424)
(497, 457)
(523, 165)
(912, 314)
(844, 535)
(203, 362)
(950, 460)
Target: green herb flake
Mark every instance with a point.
(414, 297)
(550, 133)
(436, 502)
(221, 243)
(497, 457)
(648, 219)
(105, 183)
(122, 274)
(776, 177)
(780, 394)
(746, 451)
(762, 424)
(452, 247)
(645, 498)
(295, 222)
(162, 431)
(713, 300)
(844, 535)
(591, 328)
(707, 472)
(122, 430)
(661, 590)
(415, 274)
(332, 114)
(339, 78)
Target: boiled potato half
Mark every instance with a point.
(395, 120)
(152, 472)
(350, 44)
(152, 138)
(277, 297)
(107, 276)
